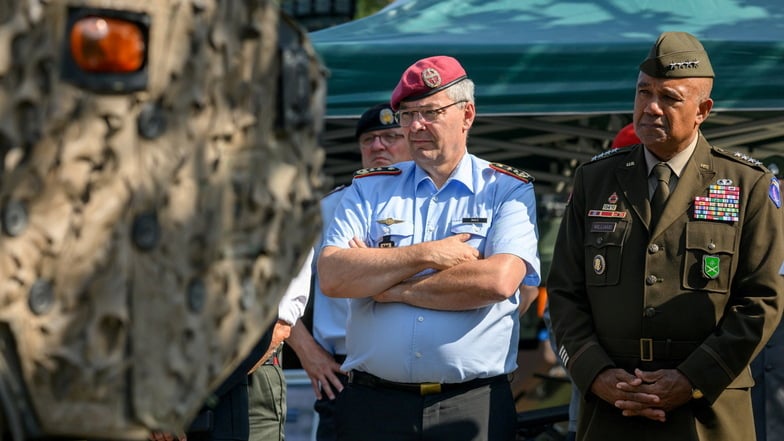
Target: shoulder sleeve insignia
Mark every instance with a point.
(375, 171)
(513, 172)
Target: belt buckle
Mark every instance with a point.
(429, 388)
(646, 349)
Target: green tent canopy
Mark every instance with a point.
(554, 56)
(555, 79)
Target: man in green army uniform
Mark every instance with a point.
(665, 277)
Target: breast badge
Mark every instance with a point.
(599, 265)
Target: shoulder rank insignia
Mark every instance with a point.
(513, 172)
(375, 171)
(611, 152)
(336, 189)
(740, 157)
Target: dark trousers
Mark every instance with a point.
(486, 413)
(325, 408)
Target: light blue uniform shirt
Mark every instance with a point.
(329, 314)
(404, 343)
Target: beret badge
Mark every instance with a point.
(386, 116)
(431, 78)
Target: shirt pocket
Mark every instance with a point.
(708, 260)
(604, 251)
(392, 235)
(478, 232)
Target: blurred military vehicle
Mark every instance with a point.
(159, 187)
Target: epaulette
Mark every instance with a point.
(513, 172)
(336, 189)
(375, 171)
(739, 157)
(611, 152)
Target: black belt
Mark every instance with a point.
(648, 349)
(340, 358)
(370, 380)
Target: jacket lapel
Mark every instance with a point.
(632, 177)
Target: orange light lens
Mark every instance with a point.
(107, 45)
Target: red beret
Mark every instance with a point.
(625, 137)
(426, 77)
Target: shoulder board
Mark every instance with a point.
(375, 171)
(739, 157)
(336, 189)
(513, 172)
(610, 152)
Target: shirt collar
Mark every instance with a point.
(463, 173)
(677, 163)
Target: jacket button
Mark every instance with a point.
(650, 280)
(653, 248)
(650, 312)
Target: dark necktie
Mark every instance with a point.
(662, 172)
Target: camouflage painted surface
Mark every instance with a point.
(147, 235)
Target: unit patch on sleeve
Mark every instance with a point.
(775, 192)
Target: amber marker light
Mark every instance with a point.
(107, 45)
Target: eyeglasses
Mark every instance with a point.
(406, 117)
(387, 139)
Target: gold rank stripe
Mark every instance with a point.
(604, 213)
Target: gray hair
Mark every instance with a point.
(462, 91)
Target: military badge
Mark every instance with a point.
(386, 242)
(389, 221)
(599, 264)
(606, 213)
(710, 266)
(431, 78)
(721, 204)
(774, 192)
(386, 116)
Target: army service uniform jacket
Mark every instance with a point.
(700, 293)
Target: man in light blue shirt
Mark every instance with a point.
(432, 253)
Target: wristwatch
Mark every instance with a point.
(696, 394)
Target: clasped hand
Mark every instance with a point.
(648, 394)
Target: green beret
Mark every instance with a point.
(677, 55)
